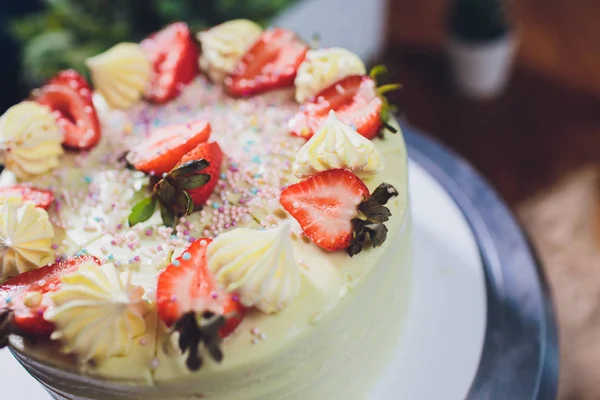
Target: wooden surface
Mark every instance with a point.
(539, 145)
(559, 39)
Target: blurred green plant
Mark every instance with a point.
(67, 32)
(479, 20)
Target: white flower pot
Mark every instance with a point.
(482, 70)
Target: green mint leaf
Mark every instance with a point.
(193, 181)
(142, 211)
(190, 167)
(167, 215)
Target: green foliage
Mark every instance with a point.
(479, 20)
(69, 31)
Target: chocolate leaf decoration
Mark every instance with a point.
(370, 224)
(142, 211)
(7, 326)
(193, 181)
(383, 193)
(165, 191)
(190, 167)
(183, 203)
(377, 233)
(196, 334)
(167, 215)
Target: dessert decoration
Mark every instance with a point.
(357, 101)
(120, 74)
(224, 45)
(336, 212)
(323, 67)
(187, 185)
(271, 63)
(174, 58)
(258, 265)
(25, 238)
(165, 147)
(30, 140)
(97, 312)
(211, 153)
(69, 97)
(19, 194)
(23, 299)
(337, 145)
(191, 302)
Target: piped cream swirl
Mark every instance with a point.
(257, 264)
(337, 145)
(30, 140)
(25, 238)
(322, 68)
(97, 312)
(224, 45)
(120, 74)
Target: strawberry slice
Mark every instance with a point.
(356, 101)
(164, 148)
(271, 63)
(336, 212)
(23, 300)
(189, 299)
(212, 153)
(69, 96)
(174, 57)
(40, 197)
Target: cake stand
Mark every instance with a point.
(480, 325)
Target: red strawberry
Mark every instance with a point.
(166, 145)
(69, 96)
(356, 100)
(14, 292)
(40, 197)
(335, 211)
(212, 153)
(271, 63)
(189, 299)
(174, 57)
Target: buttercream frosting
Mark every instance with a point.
(257, 264)
(97, 312)
(224, 45)
(120, 74)
(321, 68)
(30, 140)
(25, 238)
(337, 145)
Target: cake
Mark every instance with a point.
(224, 223)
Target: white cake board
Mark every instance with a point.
(439, 351)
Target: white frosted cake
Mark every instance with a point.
(239, 232)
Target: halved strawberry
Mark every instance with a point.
(336, 212)
(160, 152)
(69, 96)
(174, 57)
(40, 197)
(189, 299)
(356, 101)
(271, 63)
(212, 153)
(23, 297)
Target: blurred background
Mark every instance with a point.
(514, 87)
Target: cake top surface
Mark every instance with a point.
(193, 213)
